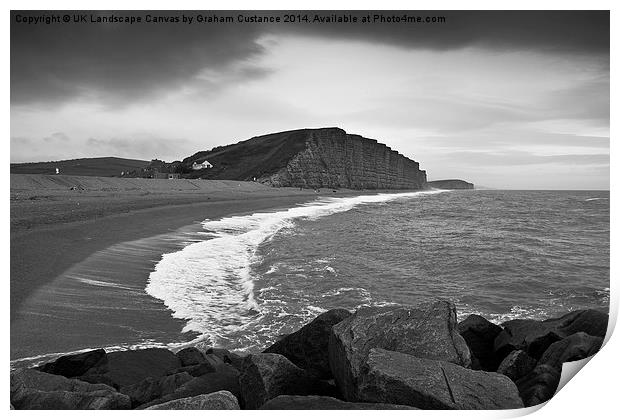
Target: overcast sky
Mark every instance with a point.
(501, 99)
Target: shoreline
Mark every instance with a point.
(48, 256)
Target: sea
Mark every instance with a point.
(243, 281)
(500, 254)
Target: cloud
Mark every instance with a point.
(117, 64)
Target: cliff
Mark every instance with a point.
(312, 158)
(451, 184)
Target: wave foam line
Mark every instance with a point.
(210, 283)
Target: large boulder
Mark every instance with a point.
(35, 390)
(153, 388)
(220, 400)
(308, 347)
(516, 365)
(267, 375)
(399, 378)
(536, 336)
(428, 331)
(315, 402)
(539, 385)
(480, 334)
(75, 364)
(129, 367)
(224, 380)
(190, 356)
(574, 347)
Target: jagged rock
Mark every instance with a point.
(519, 334)
(428, 331)
(267, 375)
(480, 334)
(152, 388)
(220, 400)
(315, 402)
(190, 356)
(35, 390)
(539, 385)
(129, 367)
(399, 378)
(227, 379)
(574, 347)
(74, 364)
(516, 365)
(308, 347)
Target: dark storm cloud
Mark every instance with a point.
(122, 63)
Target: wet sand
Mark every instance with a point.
(58, 232)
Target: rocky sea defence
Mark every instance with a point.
(377, 358)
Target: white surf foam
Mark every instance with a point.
(210, 283)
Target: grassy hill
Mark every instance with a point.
(104, 166)
(250, 158)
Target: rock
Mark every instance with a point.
(516, 365)
(267, 375)
(98, 379)
(480, 334)
(315, 402)
(399, 378)
(428, 331)
(539, 344)
(224, 380)
(227, 356)
(129, 367)
(308, 347)
(190, 356)
(35, 390)
(221, 400)
(539, 385)
(519, 334)
(152, 388)
(74, 364)
(211, 363)
(574, 347)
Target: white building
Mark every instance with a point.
(202, 165)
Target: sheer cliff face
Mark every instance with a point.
(334, 159)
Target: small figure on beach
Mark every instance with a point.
(57, 171)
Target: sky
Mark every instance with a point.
(512, 99)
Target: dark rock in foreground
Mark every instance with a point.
(129, 367)
(516, 365)
(539, 385)
(428, 331)
(398, 378)
(574, 347)
(315, 402)
(75, 364)
(152, 388)
(35, 390)
(226, 379)
(220, 400)
(190, 356)
(267, 375)
(536, 336)
(480, 334)
(308, 347)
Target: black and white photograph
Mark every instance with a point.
(306, 209)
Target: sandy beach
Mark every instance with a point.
(58, 222)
